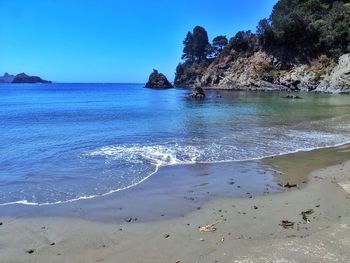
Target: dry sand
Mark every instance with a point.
(247, 229)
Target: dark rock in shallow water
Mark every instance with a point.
(158, 81)
(293, 97)
(197, 93)
(24, 78)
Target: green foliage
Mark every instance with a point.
(196, 45)
(297, 31)
(308, 27)
(335, 30)
(242, 41)
(218, 45)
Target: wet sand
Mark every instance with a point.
(171, 206)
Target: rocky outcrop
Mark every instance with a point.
(338, 80)
(24, 78)
(158, 81)
(262, 71)
(7, 78)
(232, 71)
(189, 73)
(197, 93)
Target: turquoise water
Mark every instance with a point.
(63, 142)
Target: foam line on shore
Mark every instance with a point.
(157, 167)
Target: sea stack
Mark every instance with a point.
(24, 78)
(158, 81)
(197, 93)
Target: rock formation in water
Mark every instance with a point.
(197, 93)
(158, 81)
(7, 78)
(24, 78)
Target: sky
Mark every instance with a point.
(112, 41)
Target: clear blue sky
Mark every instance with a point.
(111, 40)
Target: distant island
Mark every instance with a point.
(21, 78)
(302, 46)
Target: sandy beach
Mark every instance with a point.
(161, 223)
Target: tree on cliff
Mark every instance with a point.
(311, 27)
(242, 41)
(335, 30)
(218, 45)
(196, 45)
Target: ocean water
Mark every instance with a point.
(65, 142)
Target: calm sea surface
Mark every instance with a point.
(63, 142)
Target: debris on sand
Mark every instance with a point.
(289, 185)
(306, 213)
(209, 228)
(222, 239)
(287, 224)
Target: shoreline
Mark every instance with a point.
(247, 230)
(158, 167)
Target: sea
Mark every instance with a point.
(66, 142)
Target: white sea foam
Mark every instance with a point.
(158, 155)
(215, 152)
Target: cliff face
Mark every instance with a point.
(262, 71)
(338, 80)
(303, 45)
(190, 73)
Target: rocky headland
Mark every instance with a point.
(298, 48)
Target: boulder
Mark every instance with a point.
(158, 81)
(293, 97)
(24, 78)
(197, 93)
(338, 81)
